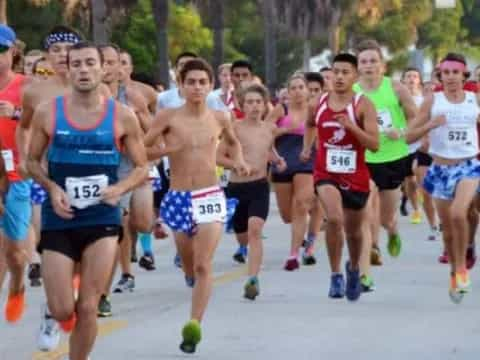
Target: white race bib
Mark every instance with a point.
(459, 136)
(85, 191)
(153, 173)
(341, 161)
(8, 160)
(384, 120)
(209, 207)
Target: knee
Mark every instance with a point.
(302, 204)
(143, 224)
(254, 233)
(61, 310)
(458, 218)
(335, 221)
(201, 270)
(87, 308)
(15, 258)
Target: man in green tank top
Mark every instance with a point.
(388, 166)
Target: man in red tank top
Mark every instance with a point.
(16, 219)
(346, 126)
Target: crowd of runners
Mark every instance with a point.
(94, 161)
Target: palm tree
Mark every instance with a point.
(160, 9)
(270, 28)
(98, 17)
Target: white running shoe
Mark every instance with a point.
(49, 332)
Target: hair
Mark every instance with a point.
(455, 57)
(110, 45)
(369, 44)
(61, 29)
(257, 89)
(35, 52)
(412, 68)
(242, 64)
(315, 77)
(85, 45)
(123, 51)
(346, 58)
(183, 55)
(144, 79)
(325, 68)
(222, 67)
(295, 76)
(36, 62)
(196, 64)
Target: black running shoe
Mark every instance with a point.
(147, 262)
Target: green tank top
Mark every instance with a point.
(389, 115)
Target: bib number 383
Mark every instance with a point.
(209, 207)
(85, 191)
(341, 161)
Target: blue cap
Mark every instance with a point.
(7, 36)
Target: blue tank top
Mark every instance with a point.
(79, 153)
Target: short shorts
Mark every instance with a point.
(17, 217)
(353, 200)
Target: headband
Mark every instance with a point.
(453, 65)
(68, 37)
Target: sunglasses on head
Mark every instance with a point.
(44, 71)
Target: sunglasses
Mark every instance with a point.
(44, 72)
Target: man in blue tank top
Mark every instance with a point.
(82, 135)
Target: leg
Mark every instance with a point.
(126, 247)
(284, 194)
(411, 190)
(255, 256)
(16, 255)
(185, 249)
(428, 206)
(388, 210)
(443, 209)
(3, 261)
(141, 208)
(302, 197)
(94, 273)
(354, 231)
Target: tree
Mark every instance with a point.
(98, 20)
(160, 10)
(269, 16)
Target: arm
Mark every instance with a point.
(234, 147)
(368, 136)
(222, 156)
(155, 138)
(3, 176)
(274, 114)
(141, 110)
(310, 133)
(406, 101)
(23, 131)
(422, 124)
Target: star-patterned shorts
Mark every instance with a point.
(156, 184)
(177, 212)
(441, 180)
(38, 194)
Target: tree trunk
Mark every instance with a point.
(334, 31)
(270, 44)
(98, 11)
(217, 15)
(160, 10)
(307, 54)
(3, 11)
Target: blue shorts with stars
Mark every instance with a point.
(38, 194)
(177, 212)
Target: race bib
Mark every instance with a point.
(458, 136)
(341, 161)
(85, 191)
(384, 120)
(8, 160)
(153, 173)
(209, 207)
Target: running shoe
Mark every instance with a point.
(376, 256)
(403, 206)
(125, 284)
(394, 245)
(291, 264)
(15, 306)
(433, 236)
(104, 307)
(147, 262)
(49, 333)
(240, 254)
(177, 261)
(189, 281)
(34, 275)
(455, 295)
(471, 256)
(416, 217)
(443, 259)
(191, 334)
(252, 288)
(308, 258)
(367, 283)
(464, 285)
(337, 286)
(353, 288)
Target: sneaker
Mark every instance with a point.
(416, 217)
(252, 288)
(177, 261)
(291, 264)
(125, 284)
(367, 283)
(353, 289)
(443, 259)
(147, 262)
(337, 286)
(189, 281)
(433, 234)
(34, 275)
(376, 256)
(455, 295)
(462, 278)
(15, 306)
(49, 333)
(104, 307)
(471, 256)
(191, 334)
(394, 245)
(240, 255)
(403, 206)
(308, 258)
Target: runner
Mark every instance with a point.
(30, 58)
(16, 219)
(387, 166)
(225, 91)
(242, 73)
(346, 126)
(3, 191)
(83, 133)
(327, 75)
(315, 85)
(252, 191)
(188, 136)
(450, 117)
(42, 69)
(294, 187)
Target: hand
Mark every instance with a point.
(393, 134)
(305, 155)
(438, 121)
(7, 109)
(345, 121)
(281, 164)
(242, 168)
(111, 195)
(61, 203)
(425, 144)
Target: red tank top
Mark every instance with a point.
(13, 94)
(340, 156)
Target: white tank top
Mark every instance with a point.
(458, 138)
(413, 147)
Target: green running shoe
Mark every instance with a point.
(367, 283)
(192, 334)
(394, 245)
(104, 307)
(252, 288)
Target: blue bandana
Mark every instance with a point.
(67, 37)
